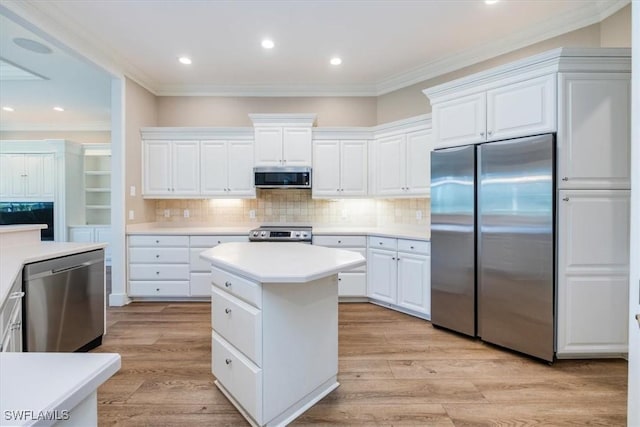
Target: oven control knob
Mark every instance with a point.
(255, 234)
(297, 234)
(263, 234)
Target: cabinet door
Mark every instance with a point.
(418, 172)
(12, 341)
(460, 121)
(353, 168)
(157, 168)
(47, 189)
(6, 176)
(382, 275)
(103, 235)
(414, 292)
(390, 165)
(33, 175)
(240, 174)
(296, 146)
(594, 140)
(593, 271)
(522, 109)
(352, 284)
(213, 168)
(268, 146)
(185, 168)
(326, 169)
(81, 234)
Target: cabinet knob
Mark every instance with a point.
(566, 178)
(393, 258)
(380, 243)
(339, 279)
(157, 289)
(219, 242)
(157, 255)
(157, 272)
(339, 241)
(227, 284)
(227, 310)
(489, 132)
(481, 133)
(157, 241)
(412, 247)
(566, 199)
(227, 361)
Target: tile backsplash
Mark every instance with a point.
(287, 206)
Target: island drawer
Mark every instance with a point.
(340, 241)
(241, 378)
(414, 246)
(211, 241)
(159, 289)
(159, 271)
(240, 287)
(383, 243)
(154, 241)
(238, 322)
(159, 255)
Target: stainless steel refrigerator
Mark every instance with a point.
(492, 243)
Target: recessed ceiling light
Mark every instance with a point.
(7, 108)
(268, 44)
(185, 60)
(32, 45)
(335, 61)
(490, 1)
(58, 108)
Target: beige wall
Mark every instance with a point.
(234, 111)
(140, 111)
(615, 31)
(410, 101)
(83, 137)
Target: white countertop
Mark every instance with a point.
(21, 228)
(418, 232)
(41, 382)
(278, 262)
(12, 259)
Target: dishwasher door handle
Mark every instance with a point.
(54, 271)
(62, 270)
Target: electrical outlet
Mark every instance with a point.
(186, 213)
(418, 215)
(167, 213)
(132, 191)
(252, 214)
(132, 215)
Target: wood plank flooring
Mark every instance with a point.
(394, 370)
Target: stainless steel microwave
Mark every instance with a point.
(282, 177)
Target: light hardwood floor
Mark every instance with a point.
(394, 370)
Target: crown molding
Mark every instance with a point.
(351, 133)
(285, 119)
(47, 20)
(199, 133)
(57, 127)
(588, 15)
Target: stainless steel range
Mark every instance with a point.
(281, 233)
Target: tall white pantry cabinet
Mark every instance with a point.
(583, 95)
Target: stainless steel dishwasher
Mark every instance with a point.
(64, 303)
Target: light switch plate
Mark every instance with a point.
(132, 191)
(132, 215)
(252, 214)
(186, 213)
(167, 213)
(418, 215)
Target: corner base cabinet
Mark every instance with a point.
(274, 345)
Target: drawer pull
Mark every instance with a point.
(157, 272)
(157, 255)
(227, 284)
(16, 295)
(227, 310)
(412, 247)
(227, 361)
(339, 241)
(380, 243)
(157, 289)
(157, 241)
(219, 242)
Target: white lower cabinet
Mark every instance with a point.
(158, 266)
(352, 284)
(93, 234)
(274, 345)
(593, 272)
(400, 274)
(11, 319)
(199, 269)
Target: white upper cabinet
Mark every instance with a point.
(523, 108)
(460, 121)
(171, 168)
(339, 168)
(402, 165)
(27, 177)
(226, 168)
(594, 130)
(282, 139)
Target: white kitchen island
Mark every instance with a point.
(274, 312)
